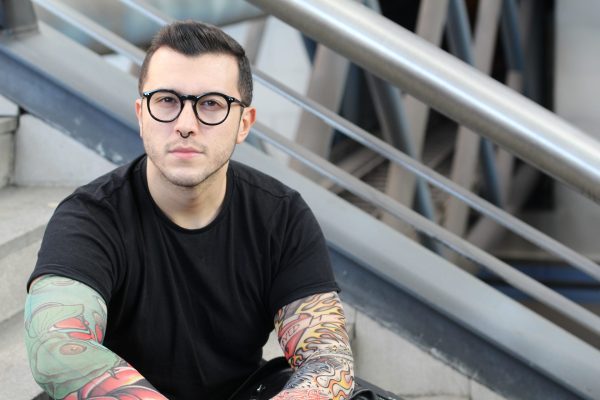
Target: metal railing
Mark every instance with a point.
(449, 85)
(92, 29)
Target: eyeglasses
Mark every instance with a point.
(210, 108)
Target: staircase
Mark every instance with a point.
(421, 327)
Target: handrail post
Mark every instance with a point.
(17, 17)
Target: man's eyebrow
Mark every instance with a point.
(190, 94)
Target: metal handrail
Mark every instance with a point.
(465, 94)
(516, 278)
(484, 207)
(148, 11)
(94, 30)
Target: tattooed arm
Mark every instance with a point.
(64, 327)
(312, 334)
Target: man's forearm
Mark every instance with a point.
(313, 335)
(64, 327)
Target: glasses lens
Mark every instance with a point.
(212, 108)
(164, 106)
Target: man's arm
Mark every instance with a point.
(312, 334)
(65, 322)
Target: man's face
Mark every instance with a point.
(206, 150)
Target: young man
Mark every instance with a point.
(163, 278)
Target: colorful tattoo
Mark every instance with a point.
(312, 334)
(65, 322)
(301, 394)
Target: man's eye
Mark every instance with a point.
(212, 103)
(165, 99)
(209, 103)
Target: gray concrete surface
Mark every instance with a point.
(14, 272)
(24, 213)
(16, 382)
(398, 365)
(47, 157)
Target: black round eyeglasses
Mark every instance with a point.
(211, 108)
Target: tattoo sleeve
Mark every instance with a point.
(312, 334)
(65, 322)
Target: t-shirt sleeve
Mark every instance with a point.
(302, 262)
(82, 242)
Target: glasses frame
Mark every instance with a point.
(194, 99)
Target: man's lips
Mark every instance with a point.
(185, 152)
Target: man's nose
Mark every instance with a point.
(187, 123)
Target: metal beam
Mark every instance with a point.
(93, 29)
(468, 144)
(17, 17)
(34, 73)
(514, 190)
(392, 119)
(326, 86)
(389, 106)
(400, 183)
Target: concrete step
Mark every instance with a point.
(16, 382)
(401, 366)
(24, 213)
(7, 144)
(45, 156)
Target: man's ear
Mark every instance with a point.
(248, 119)
(138, 113)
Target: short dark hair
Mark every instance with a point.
(193, 38)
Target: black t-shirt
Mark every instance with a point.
(189, 309)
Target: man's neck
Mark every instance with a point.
(189, 207)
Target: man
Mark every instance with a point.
(163, 278)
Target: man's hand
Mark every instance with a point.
(312, 334)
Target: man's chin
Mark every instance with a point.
(186, 182)
(189, 177)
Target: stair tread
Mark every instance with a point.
(16, 381)
(25, 211)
